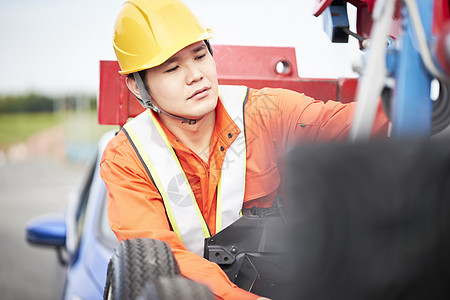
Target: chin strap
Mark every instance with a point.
(146, 102)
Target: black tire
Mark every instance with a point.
(370, 220)
(175, 288)
(135, 263)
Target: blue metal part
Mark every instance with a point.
(412, 107)
(47, 230)
(391, 58)
(335, 19)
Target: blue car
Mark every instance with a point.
(82, 236)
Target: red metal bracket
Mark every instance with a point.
(441, 15)
(320, 6)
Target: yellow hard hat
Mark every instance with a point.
(148, 32)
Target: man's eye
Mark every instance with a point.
(200, 57)
(171, 69)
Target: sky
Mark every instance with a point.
(54, 46)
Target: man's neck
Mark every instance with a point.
(195, 136)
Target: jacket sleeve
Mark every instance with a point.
(135, 210)
(295, 117)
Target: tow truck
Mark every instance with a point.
(372, 221)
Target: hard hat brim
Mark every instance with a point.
(170, 51)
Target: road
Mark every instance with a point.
(29, 188)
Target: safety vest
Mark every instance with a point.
(162, 165)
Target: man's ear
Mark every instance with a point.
(132, 86)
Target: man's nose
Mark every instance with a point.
(193, 74)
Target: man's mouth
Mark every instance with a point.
(200, 93)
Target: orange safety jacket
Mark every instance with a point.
(274, 119)
(162, 164)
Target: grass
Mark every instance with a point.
(78, 126)
(16, 128)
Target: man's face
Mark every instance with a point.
(186, 84)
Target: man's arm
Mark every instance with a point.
(293, 117)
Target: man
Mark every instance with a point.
(184, 169)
